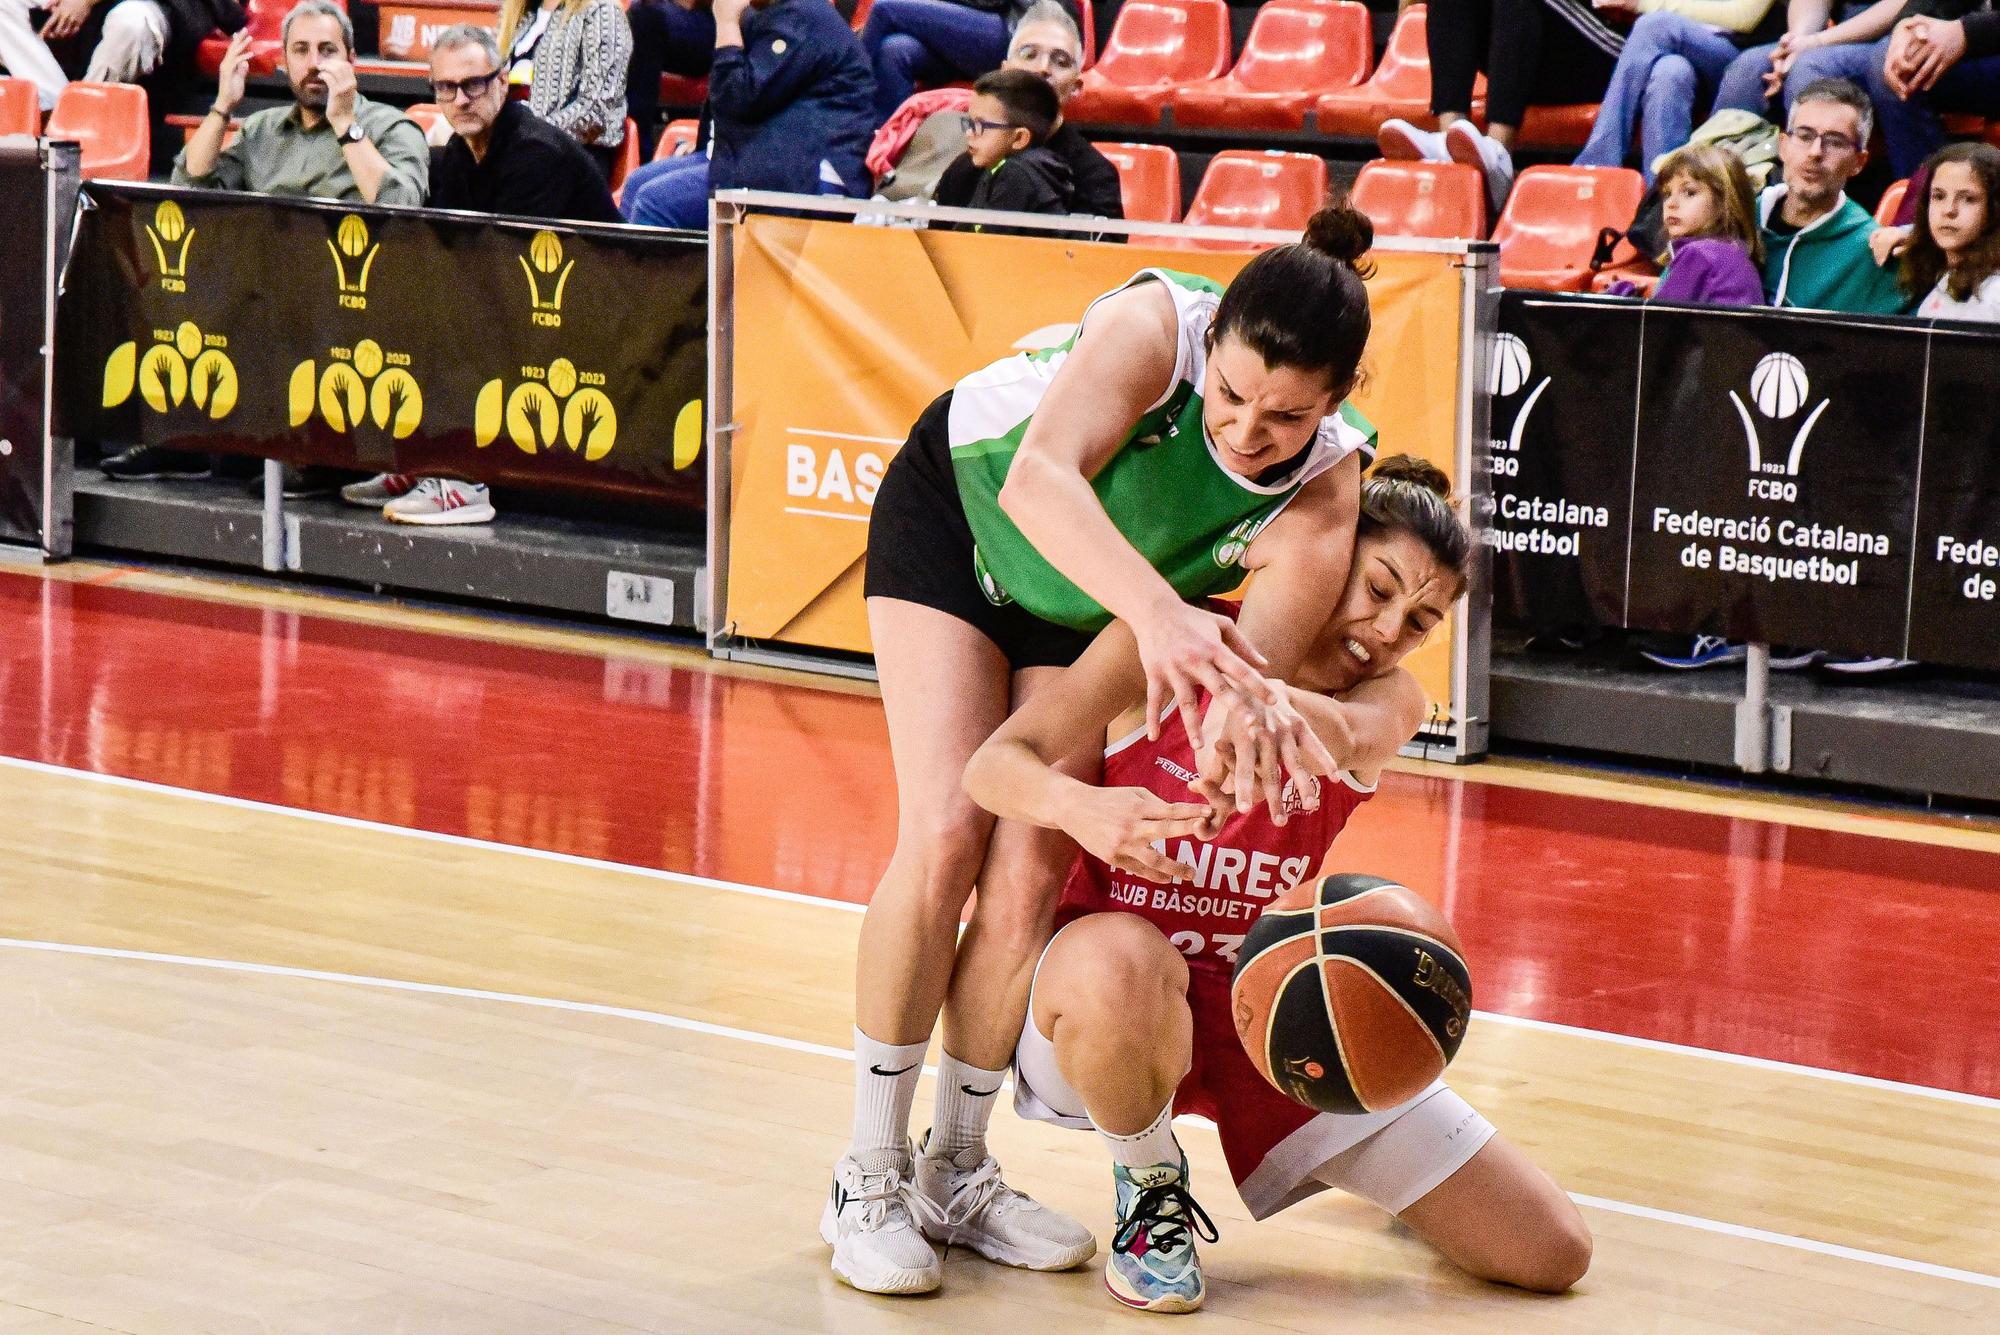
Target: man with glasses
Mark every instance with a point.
(1816, 253)
(503, 158)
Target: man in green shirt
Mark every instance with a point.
(332, 143)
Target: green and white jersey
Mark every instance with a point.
(1166, 488)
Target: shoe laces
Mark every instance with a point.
(1162, 1215)
(882, 1192)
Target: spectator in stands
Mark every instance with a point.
(331, 143)
(789, 100)
(572, 56)
(1671, 58)
(1944, 55)
(1816, 253)
(1532, 51)
(1007, 166)
(128, 39)
(1952, 260)
(935, 41)
(925, 141)
(1715, 246)
(1809, 51)
(668, 37)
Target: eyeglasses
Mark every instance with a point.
(1027, 53)
(470, 89)
(1834, 144)
(974, 125)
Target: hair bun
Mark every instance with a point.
(1344, 233)
(1417, 472)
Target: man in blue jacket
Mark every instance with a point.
(790, 108)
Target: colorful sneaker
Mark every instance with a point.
(442, 500)
(1153, 1265)
(1464, 143)
(379, 490)
(1867, 665)
(1401, 141)
(969, 1204)
(1703, 652)
(870, 1221)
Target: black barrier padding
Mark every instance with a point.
(23, 302)
(532, 354)
(1955, 587)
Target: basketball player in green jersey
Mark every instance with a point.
(1185, 437)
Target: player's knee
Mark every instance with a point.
(943, 847)
(1555, 1256)
(1129, 960)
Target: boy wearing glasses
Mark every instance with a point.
(503, 158)
(1816, 254)
(1008, 166)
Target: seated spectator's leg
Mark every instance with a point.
(908, 41)
(1742, 85)
(641, 175)
(1669, 114)
(1629, 99)
(1911, 131)
(690, 39)
(26, 55)
(1458, 34)
(1851, 61)
(1535, 59)
(134, 42)
(642, 74)
(674, 197)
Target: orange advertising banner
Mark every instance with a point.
(843, 334)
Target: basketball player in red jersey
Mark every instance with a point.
(1129, 1020)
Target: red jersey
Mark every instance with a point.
(1249, 863)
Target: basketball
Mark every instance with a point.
(1351, 994)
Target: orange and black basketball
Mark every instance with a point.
(1351, 994)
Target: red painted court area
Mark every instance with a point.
(1850, 952)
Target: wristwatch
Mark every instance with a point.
(353, 134)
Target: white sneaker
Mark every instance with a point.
(968, 1203)
(379, 490)
(870, 1221)
(442, 500)
(1464, 143)
(1401, 141)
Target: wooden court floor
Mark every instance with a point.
(278, 1070)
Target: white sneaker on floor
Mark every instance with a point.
(1401, 141)
(379, 490)
(1464, 143)
(968, 1204)
(442, 500)
(870, 1221)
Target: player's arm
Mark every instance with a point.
(1367, 725)
(1014, 774)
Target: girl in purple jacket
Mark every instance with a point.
(1714, 247)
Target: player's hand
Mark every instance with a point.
(1120, 826)
(233, 78)
(1187, 650)
(1248, 749)
(1886, 243)
(1788, 49)
(340, 90)
(65, 17)
(1942, 45)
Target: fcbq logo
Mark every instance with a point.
(171, 235)
(1507, 372)
(182, 364)
(1779, 388)
(345, 397)
(548, 407)
(544, 262)
(353, 257)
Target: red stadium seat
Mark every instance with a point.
(1892, 200)
(1297, 50)
(628, 156)
(1433, 199)
(110, 120)
(1155, 46)
(1549, 228)
(1149, 180)
(427, 115)
(678, 90)
(20, 107)
(676, 134)
(1279, 191)
(1566, 126)
(266, 23)
(1400, 86)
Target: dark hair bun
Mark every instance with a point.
(1417, 472)
(1344, 233)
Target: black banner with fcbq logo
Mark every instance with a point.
(536, 355)
(1793, 478)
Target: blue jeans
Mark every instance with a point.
(929, 41)
(672, 192)
(1910, 130)
(1657, 82)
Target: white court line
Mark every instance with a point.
(845, 906)
(664, 1020)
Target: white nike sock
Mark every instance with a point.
(965, 1099)
(885, 1084)
(1143, 1149)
